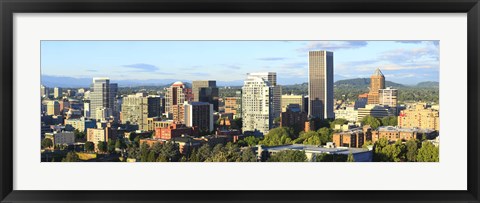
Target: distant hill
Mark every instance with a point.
(363, 83)
(428, 84)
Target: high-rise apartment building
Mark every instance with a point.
(388, 97)
(43, 91)
(57, 92)
(205, 91)
(53, 108)
(377, 82)
(102, 96)
(86, 109)
(320, 84)
(260, 101)
(199, 115)
(135, 111)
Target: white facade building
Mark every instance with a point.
(261, 102)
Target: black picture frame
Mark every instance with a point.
(10, 7)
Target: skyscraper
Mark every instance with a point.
(205, 91)
(57, 92)
(260, 102)
(320, 84)
(199, 115)
(102, 96)
(377, 82)
(53, 108)
(175, 96)
(135, 110)
(43, 91)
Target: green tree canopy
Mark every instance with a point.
(111, 146)
(47, 143)
(412, 150)
(288, 156)
(89, 146)
(248, 155)
(278, 136)
(372, 121)
(428, 153)
(249, 141)
(339, 121)
(389, 121)
(102, 146)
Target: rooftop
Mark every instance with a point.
(377, 72)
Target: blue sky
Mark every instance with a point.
(406, 62)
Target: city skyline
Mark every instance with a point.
(210, 60)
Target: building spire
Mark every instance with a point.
(378, 72)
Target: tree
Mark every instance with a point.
(249, 141)
(102, 147)
(203, 153)
(170, 152)
(338, 121)
(372, 121)
(325, 135)
(120, 144)
(350, 157)
(144, 151)
(309, 138)
(218, 154)
(389, 121)
(278, 136)
(288, 156)
(89, 146)
(428, 153)
(366, 144)
(385, 152)
(111, 146)
(248, 155)
(412, 150)
(79, 136)
(46, 143)
(71, 157)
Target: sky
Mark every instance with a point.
(405, 62)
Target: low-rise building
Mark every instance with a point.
(347, 113)
(397, 133)
(174, 130)
(96, 135)
(377, 111)
(157, 122)
(81, 124)
(353, 138)
(315, 152)
(61, 138)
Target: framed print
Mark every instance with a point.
(242, 101)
